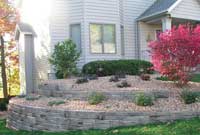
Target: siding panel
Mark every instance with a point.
(187, 9)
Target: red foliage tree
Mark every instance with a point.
(176, 54)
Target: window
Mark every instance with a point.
(75, 35)
(102, 38)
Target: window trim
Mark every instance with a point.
(70, 33)
(102, 32)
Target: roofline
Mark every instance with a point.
(18, 31)
(168, 11)
(174, 6)
(153, 15)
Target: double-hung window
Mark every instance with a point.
(102, 38)
(75, 35)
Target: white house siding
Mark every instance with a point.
(101, 12)
(121, 11)
(147, 33)
(187, 9)
(118, 12)
(65, 13)
(132, 10)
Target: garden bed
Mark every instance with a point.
(65, 105)
(79, 115)
(68, 87)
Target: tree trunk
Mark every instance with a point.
(3, 69)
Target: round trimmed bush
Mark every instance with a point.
(113, 67)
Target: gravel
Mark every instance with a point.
(103, 84)
(172, 104)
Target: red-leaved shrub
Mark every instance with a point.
(176, 54)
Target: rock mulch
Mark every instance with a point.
(103, 84)
(172, 104)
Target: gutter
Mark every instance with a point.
(165, 12)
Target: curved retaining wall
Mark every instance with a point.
(63, 90)
(32, 118)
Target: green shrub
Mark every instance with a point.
(32, 98)
(143, 99)
(114, 79)
(96, 98)
(123, 84)
(3, 104)
(64, 58)
(82, 80)
(145, 77)
(56, 103)
(162, 78)
(189, 97)
(106, 68)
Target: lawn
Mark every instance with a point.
(195, 78)
(187, 127)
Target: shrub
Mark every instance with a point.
(55, 103)
(114, 79)
(64, 58)
(3, 104)
(92, 77)
(107, 68)
(189, 97)
(145, 77)
(162, 78)
(82, 80)
(123, 84)
(143, 99)
(95, 98)
(176, 53)
(32, 98)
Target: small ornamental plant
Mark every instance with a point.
(82, 80)
(189, 97)
(114, 79)
(123, 84)
(176, 54)
(145, 77)
(143, 99)
(95, 98)
(56, 103)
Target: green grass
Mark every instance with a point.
(195, 78)
(187, 127)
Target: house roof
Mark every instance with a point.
(158, 7)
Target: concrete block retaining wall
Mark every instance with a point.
(54, 90)
(33, 118)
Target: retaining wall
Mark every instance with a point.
(33, 118)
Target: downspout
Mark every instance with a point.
(137, 40)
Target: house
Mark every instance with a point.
(101, 29)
